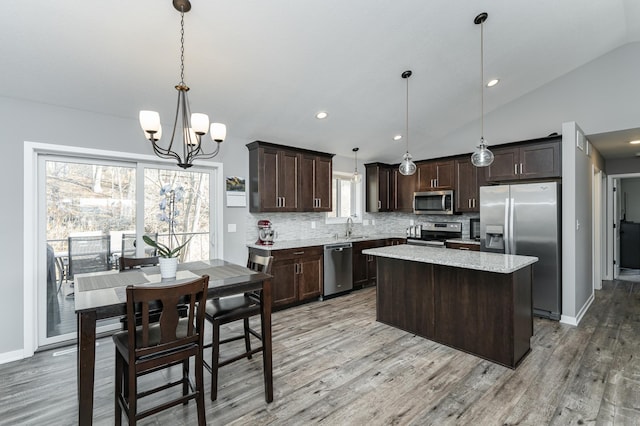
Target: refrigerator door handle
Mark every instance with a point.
(507, 246)
(512, 239)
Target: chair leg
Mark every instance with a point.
(215, 356)
(247, 340)
(200, 389)
(118, 390)
(132, 402)
(185, 379)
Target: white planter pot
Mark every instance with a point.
(168, 267)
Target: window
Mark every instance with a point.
(346, 199)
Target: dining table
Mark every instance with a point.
(102, 295)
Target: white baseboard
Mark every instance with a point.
(11, 356)
(565, 319)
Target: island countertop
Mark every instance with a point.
(481, 261)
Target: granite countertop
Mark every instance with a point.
(481, 261)
(290, 244)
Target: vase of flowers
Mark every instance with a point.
(167, 254)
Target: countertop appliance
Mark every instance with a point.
(525, 219)
(435, 234)
(265, 233)
(338, 268)
(474, 228)
(433, 202)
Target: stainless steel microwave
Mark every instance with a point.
(433, 202)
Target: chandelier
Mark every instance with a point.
(189, 128)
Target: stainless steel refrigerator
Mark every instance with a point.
(525, 219)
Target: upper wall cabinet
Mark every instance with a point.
(379, 187)
(435, 174)
(285, 179)
(530, 160)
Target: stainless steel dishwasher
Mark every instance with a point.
(338, 268)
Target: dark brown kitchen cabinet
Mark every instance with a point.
(297, 274)
(379, 188)
(435, 174)
(468, 179)
(403, 188)
(285, 179)
(315, 183)
(537, 160)
(364, 265)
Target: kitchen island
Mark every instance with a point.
(476, 302)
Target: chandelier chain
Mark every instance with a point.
(182, 45)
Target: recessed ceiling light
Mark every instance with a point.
(493, 82)
(321, 115)
(397, 137)
(634, 142)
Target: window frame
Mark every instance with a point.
(357, 193)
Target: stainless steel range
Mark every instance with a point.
(433, 234)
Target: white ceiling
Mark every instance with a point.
(266, 67)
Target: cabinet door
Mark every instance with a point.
(384, 186)
(403, 189)
(284, 282)
(427, 175)
(268, 179)
(445, 176)
(307, 164)
(322, 184)
(505, 165)
(287, 171)
(360, 272)
(541, 160)
(466, 188)
(309, 277)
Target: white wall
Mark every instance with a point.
(630, 189)
(577, 223)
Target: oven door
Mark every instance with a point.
(434, 202)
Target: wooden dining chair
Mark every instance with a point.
(152, 347)
(133, 262)
(234, 308)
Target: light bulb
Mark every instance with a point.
(482, 156)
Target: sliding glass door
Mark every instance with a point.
(92, 212)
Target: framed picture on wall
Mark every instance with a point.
(236, 191)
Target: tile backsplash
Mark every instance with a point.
(299, 226)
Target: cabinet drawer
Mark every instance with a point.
(463, 246)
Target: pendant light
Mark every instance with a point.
(357, 177)
(482, 156)
(407, 167)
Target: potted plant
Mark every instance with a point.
(168, 256)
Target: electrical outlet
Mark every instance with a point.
(412, 222)
(313, 224)
(231, 227)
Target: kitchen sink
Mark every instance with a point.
(357, 237)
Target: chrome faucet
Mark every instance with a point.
(349, 227)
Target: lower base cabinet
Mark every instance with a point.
(297, 274)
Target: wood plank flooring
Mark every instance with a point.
(335, 365)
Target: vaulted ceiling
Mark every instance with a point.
(266, 67)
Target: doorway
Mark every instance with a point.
(624, 227)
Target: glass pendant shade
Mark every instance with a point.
(200, 123)
(155, 136)
(482, 156)
(357, 177)
(149, 121)
(218, 132)
(407, 167)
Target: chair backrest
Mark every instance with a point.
(173, 332)
(260, 263)
(89, 254)
(132, 262)
(129, 245)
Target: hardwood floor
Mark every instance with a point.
(335, 365)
